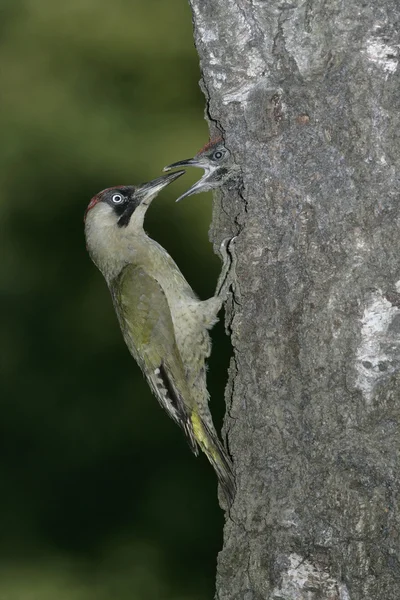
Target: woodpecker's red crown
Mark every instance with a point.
(99, 197)
(210, 144)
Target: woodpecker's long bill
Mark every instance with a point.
(164, 324)
(217, 163)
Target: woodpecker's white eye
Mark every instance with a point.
(217, 155)
(117, 199)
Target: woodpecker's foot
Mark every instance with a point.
(226, 278)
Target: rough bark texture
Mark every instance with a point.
(307, 95)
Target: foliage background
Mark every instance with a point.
(100, 496)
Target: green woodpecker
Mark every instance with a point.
(164, 324)
(217, 162)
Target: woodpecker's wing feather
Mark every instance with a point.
(146, 323)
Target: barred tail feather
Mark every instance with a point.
(217, 455)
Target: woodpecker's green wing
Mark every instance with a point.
(146, 323)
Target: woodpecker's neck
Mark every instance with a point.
(112, 246)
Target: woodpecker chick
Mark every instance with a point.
(218, 165)
(164, 324)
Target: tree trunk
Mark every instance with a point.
(307, 96)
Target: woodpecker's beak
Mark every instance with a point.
(147, 191)
(202, 183)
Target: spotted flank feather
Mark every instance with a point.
(173, 404)
(197, 432)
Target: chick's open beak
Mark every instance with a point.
(200, 184)
(188, 162)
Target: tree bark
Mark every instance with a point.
(307, 97)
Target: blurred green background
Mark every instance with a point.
(100, 495)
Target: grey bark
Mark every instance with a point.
(307, 96)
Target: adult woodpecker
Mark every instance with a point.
(217, 162)
(164, 324)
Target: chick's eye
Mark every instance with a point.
(117, 199)
(218, 154)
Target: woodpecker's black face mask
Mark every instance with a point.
(124, 201)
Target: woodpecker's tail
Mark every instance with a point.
(217, 455)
